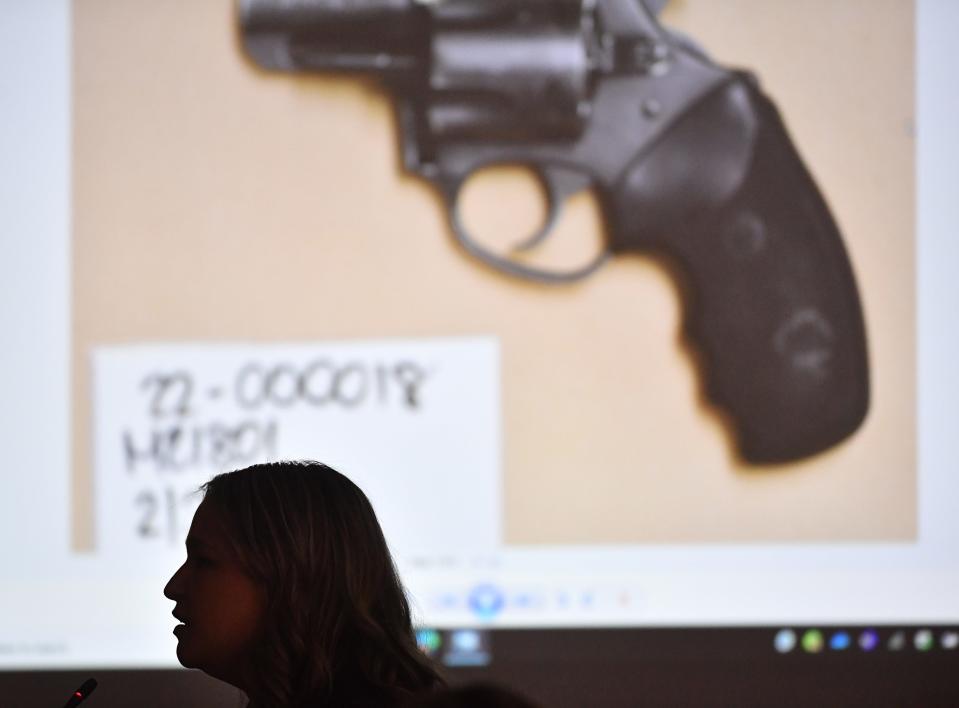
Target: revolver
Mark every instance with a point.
(689, 161)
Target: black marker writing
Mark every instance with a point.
(182, 447)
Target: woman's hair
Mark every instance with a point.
(337, 629)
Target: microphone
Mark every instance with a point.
(81, 693)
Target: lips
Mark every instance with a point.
(183, 623)
(179, 616)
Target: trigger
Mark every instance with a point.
(560, 184)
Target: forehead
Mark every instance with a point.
(208, 527)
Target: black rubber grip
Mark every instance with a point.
(771, 300)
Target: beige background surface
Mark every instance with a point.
(216, 202)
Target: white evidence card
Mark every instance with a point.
(415, 423)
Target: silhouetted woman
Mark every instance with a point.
(289, 593)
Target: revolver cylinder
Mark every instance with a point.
(507, 70)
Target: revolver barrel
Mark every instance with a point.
(383, 37)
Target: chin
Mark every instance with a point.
(193, 660)
(185, 656)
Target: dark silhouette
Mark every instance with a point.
(289, 593)
(478, 695)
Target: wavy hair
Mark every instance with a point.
(337, 629)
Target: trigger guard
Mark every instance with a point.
(556, 193)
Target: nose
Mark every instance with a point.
(174, 587)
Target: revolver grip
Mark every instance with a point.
(771, 300)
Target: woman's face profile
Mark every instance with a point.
(220, 607)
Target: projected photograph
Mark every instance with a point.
(275, 259)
